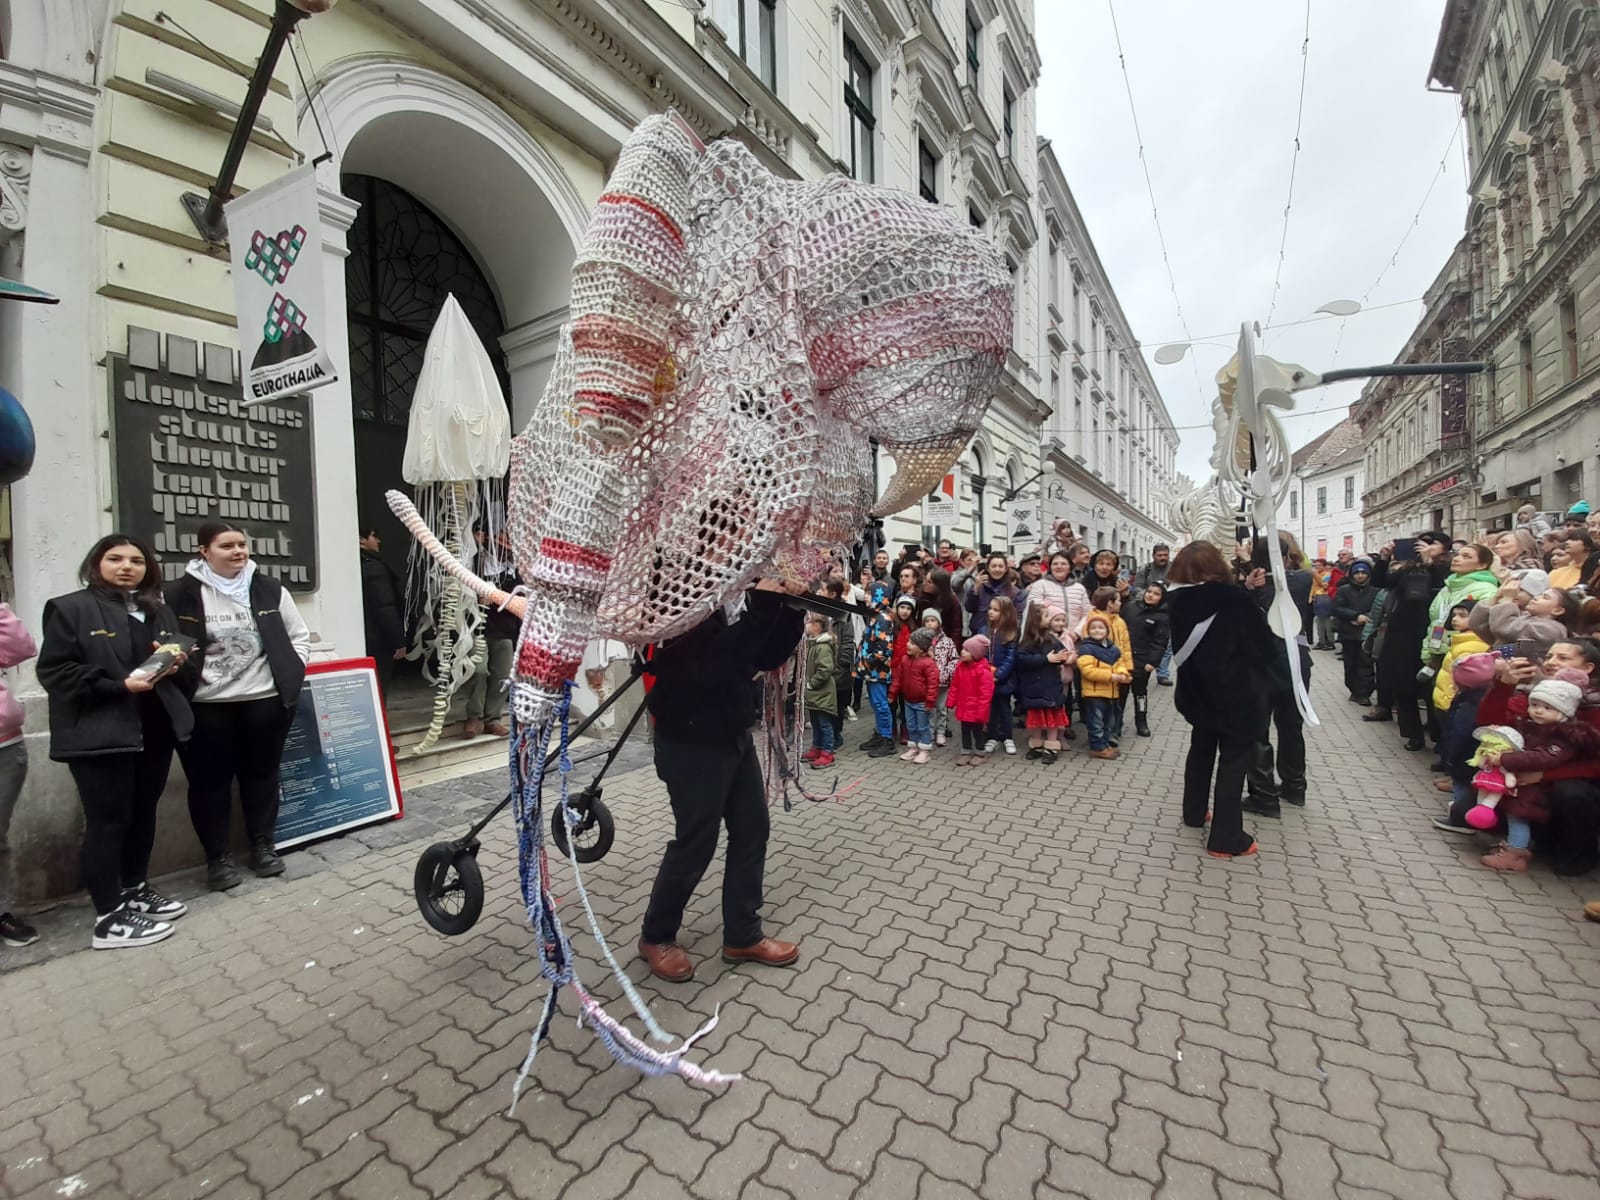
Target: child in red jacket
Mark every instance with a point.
(916, 684)
(971, 695)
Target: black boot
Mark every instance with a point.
(1378, 714)
(1263, 805)
(264, 860)
(222, 875)
(1141, 716)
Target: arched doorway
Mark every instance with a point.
(403, 262)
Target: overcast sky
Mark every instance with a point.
(1215, 86)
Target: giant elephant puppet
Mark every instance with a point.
(736, 344)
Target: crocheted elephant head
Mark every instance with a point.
(736, 344)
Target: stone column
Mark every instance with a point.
(334, 610)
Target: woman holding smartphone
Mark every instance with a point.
(250, 667)
(115, 729)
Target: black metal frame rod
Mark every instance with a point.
(639, 669)
(206, 211)
(1440, 368)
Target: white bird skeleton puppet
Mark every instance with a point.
(736, 342)
(1253, 457)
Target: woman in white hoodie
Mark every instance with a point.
(253, 649)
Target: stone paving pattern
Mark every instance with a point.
(1017, 981)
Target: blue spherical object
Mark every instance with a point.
(16, 439)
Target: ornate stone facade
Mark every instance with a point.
(1528, 74)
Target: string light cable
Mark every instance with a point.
(1411, 227)
(1294, 163)
(1144, 165)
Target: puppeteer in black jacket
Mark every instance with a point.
(1225, 682)
(705, 681)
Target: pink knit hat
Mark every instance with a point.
(977, 645)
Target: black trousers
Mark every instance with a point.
(1413, 707)
(242, 741)
(1572, 835)
(1139, 689)
(1357, 671)
(1280, 771)
(710, 786)
(1229, 757)
(119, 793)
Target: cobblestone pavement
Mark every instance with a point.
(1017, 981)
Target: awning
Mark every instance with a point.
(12, 289)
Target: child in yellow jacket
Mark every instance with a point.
(1102, 670)
(1463, 641)
(1107, 604)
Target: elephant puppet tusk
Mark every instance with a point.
(918, 469)
(402, 508)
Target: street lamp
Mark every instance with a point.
(206, 211)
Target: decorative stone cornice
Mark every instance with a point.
(44, 111)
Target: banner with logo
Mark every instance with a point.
(275, 238)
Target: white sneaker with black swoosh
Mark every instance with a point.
(148, 902)
(124, 928)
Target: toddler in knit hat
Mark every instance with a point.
(1552, 736)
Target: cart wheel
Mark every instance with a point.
(594, 832)
(449, 888)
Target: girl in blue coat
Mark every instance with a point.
(1002, 632)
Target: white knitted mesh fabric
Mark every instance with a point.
(735, 341)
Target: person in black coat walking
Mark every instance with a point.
(1412, 585)
(115, 730)
(1279, 772)
(383, 609)
(1150, 637)
(703, 703)
(1352, 610)
(1228, 667)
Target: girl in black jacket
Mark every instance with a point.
(1149, 634)
(116, 731)
(1227, 661)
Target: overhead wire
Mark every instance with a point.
(1150, 190)
(1294, 163)
(1411, 227)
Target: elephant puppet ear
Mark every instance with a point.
(918, 471)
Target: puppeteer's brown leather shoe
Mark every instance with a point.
(668, 961)
(768, 951)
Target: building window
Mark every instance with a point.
(1322, 501)
(1008, 114)
(858, 100)
(1569, 336)
(1525, 362)
(973, 30)
(927, 173)
(974, 217)
(751, 27)
(1294, 505)
(760, 51)
(404, 262)
(1349, 491)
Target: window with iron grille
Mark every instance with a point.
(858, 100)
(1322, 500)
(1349, 491)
